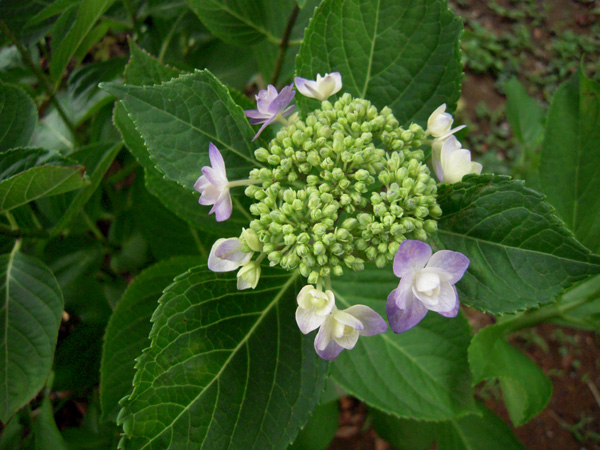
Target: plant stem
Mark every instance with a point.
(198, 242)
(284, 44)
(46, 84)
(22, 232)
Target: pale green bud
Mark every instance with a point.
(250, 238)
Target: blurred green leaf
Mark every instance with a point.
(32, 306)
(521, 254)
(70, 30)
(525, 115)
(46, 435)
(225, 367)
(525, 387)
(18, 117)
(570, 161)
(320, 429)
(400, 54)
(404, 434)
(418, 374)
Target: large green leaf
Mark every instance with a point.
(226, 368)
(32, 306)
(521, 254)
(18, 117)
(178, 120)
(127, 331)
(144, 69)
(71, 30)
(418, 374)
(402, 54)
(37, 182)
(570, 161)
(525, 387)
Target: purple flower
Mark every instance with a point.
(271, 106)
(426, 283)
(214, 186)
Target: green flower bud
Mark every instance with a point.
(313, 278)
(250, 238)
(261, 154)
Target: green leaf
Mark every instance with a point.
(403, 434)
(37, 182)
(320, 429)
(97, 158)
(70, 31)
(45, 432)
(127, 331)
(183, 202)
(521, 254)
(30, 315)
(17, 160)
(401, 54)
(481, 431)
(178, 120)
(18, 117)
(226, 368)
(570, 161)
(525, 387)
(419, 374)
(246, 23)
(525, 115)
(580, 306)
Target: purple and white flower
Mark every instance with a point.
(322, 88)
(426, 283)
(439, 124)
(451, 162)
(338, 330)
(214, 186)
(271, 106)
(227, 255)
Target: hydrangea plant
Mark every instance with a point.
(330, 208)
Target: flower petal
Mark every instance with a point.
(410, 256)
(214, 177)
(348, 319)
(217, 264)
(348, 340)
(372, 322)
(324, 335)
(446, 299)
(268, 122)
(209, 195)
(453, 263)
(222, 207)
(404, 311)
(330, 352)
(454, 311)
(231, 249)
(307, 320)
(308, 88)
(216, 160)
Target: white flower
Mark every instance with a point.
(314, 306)
(339, 330)
(440, 122)
(214, 186)
(451, 162)
(321, 89)
(248, 275)
(227, 255)
(426, 283)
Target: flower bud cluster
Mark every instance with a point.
(344, 186)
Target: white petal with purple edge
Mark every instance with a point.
(454, 311)
(447, 299)
(453, 263)
(330, 352)
(348, 319)
(372, 322)
(410, 256)
(216, 160)
(307, 320)
(217, 264)
(347, 340)
(403, 310)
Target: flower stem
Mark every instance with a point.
(283, 46)
(248, 182)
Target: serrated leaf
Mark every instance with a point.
(402, 54)
(145, 69)
(128, 328)
(521, 254)
(17, 160)
(419, 374)
(526, 389)
(37, 182)
(18, 117)
(70, 31)
(178, 120)
(226, 368)
(570, 160)
(30, 315)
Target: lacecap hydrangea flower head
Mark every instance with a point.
(344, 186)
